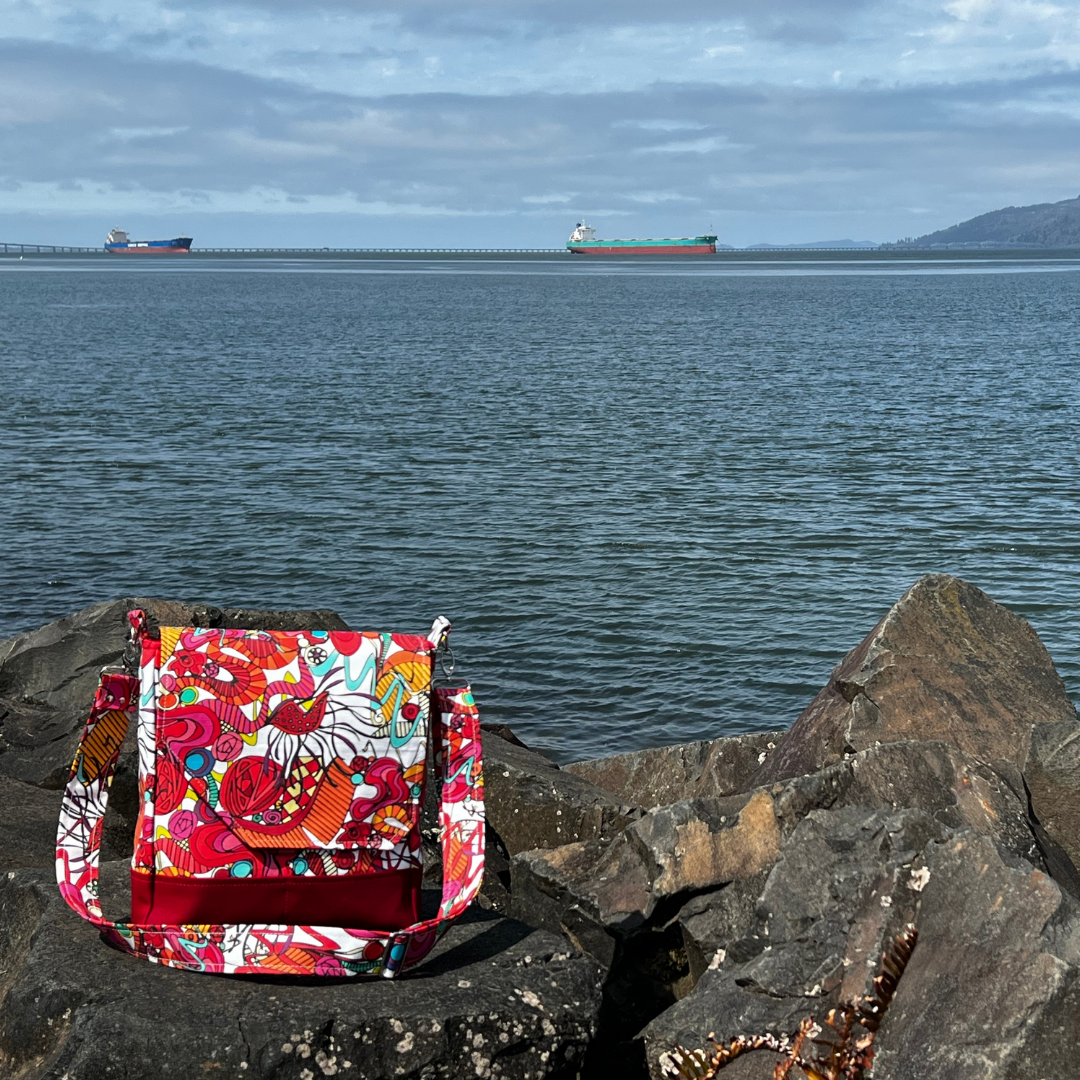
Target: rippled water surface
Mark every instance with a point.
(659, 501)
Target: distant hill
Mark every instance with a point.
(1043, 225)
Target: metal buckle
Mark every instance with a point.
(397, 945)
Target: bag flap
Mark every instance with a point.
(288, 739)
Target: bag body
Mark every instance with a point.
(281, 779)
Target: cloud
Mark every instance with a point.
(660, 125)
(128, 134)
(161, 132)
(107, 199)
(506, 47)
(651, 198)
(706, 145)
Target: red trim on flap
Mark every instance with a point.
(387, 900)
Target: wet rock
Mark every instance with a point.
(668, 774)
(532, 803)
(946, 663)
(496, 999)
(840, 890)
(48, 676)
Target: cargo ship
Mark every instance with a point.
(583, 242)
(117, 243)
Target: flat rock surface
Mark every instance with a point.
(495, 999)
(667, 774)
(946, 663)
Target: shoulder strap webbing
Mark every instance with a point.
(273, 949)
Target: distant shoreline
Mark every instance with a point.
(16, 251)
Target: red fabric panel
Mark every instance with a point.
(389, 900)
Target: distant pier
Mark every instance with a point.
(755, 254)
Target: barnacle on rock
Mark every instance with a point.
(843, 1049)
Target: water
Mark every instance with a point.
(659, 501)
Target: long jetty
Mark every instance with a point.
(66, 249)
(756, 254)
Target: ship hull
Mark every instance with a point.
(699, 245)
(181, 245)
(651, 249)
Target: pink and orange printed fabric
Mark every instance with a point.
(287, 762)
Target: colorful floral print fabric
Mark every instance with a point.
(270, 755)
(281, 752)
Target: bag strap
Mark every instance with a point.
(273, 949)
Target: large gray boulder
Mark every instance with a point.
(711, 922)
(993, 989)
(994, 983)
(948, 663)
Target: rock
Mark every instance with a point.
(27, 825)
(667, 774)
(948, 784)
(495, 999)
(946, 663)
(597, 893)
(992, 990)
(613, 889)
(48, 676)
(712, 922)
(561, 890)
(1052, 775)
(840, 891)
(532, 803)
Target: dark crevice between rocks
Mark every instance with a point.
(668, 908)
(1058, 863)
(649, 974)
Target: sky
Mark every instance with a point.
(502, 123)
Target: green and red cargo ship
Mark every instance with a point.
(583, 242)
